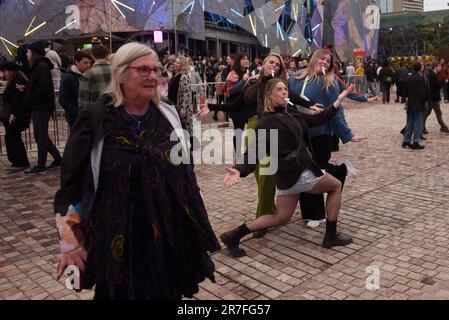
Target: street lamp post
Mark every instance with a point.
(110, 29)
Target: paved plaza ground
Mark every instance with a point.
(397, 210)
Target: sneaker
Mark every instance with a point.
(336, 240)
(351, 171)
(444, 130)
(315, 223)
(55, 164)
(405, 144)
(35, 170)
(14, 169)
(423, 138)
(416, 146)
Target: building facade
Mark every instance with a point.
(391, 6)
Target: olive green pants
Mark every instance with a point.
(266, 184)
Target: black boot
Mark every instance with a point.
(232, 238)
(332, 238)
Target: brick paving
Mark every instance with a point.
(396, 209)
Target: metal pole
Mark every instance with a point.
(217, 51)
(174, 26)
(110, 29)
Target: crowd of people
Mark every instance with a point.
(131, 218)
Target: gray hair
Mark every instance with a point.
(122, 58)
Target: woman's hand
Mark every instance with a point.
(20, 87)
(373, 99)
(358, 138)
(253, 78)
(75, 257)
(12, 118)
(245, 76)
(232, 177)
(204, 111)
(343, 96)
(317, 107)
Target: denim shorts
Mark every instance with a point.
(305, 183)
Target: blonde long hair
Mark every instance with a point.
(269, 88)
(310, 71)
(259, 86)
(122, 58)
(184, 64)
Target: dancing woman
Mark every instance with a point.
(251, 103)
(297, 171)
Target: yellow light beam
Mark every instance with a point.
(38, 27)
(123, 5)
(297, 52)
(253, 25)
(13, 44)
(113, 2)
(5, 40)
(31, 23)
(66, 26)
(295, 10)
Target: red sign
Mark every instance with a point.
(359, 56)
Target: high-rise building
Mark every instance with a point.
(434, 5)
(389, 6)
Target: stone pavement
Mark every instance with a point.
(397, 210)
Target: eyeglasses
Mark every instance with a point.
(145, 71)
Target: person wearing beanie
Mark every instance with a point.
(15, 117)
(36, 47)
(40, 98)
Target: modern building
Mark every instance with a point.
(393, 6)
(434, 5)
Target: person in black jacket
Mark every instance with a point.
(399, 78)
(372, 78)
(21, 57)
(296, 173)
(435, 98)
(415, 92)
(386, 75)
(40, 98)
(18, 119)
(69, 88)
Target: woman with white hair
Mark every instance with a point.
(129, 216)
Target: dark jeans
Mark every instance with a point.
(312, 206)
(435, 106)
(400, 91)
(44, 143)
(446, 91)
(386, 92)
(15, 147)
(414, 126)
